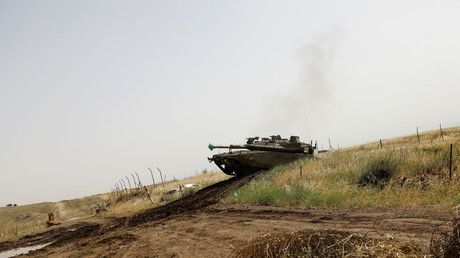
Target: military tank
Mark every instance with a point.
(262, 154)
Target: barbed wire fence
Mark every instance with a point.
(14, 229)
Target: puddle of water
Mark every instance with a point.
(74, 218)
(22, 250)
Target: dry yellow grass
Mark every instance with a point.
(417, 174)
(24, 219)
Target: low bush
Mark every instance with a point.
(378, 170)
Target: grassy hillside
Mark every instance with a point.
(399, 173)
(25, 212)
(20, 220)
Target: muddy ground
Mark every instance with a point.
(203, 225)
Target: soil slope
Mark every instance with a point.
(203, 225)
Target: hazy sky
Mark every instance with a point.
(93, 91)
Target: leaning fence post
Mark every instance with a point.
(161, 176)
(117, 188)
(126, 188)
(153, 179)
(122, 187)
(129, 183)
(134, 180)
(140, 184)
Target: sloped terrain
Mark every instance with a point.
(202, 224)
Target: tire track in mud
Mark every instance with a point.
(205, 197)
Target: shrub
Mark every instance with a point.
(378, 171)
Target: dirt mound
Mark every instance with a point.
(200, 199)
(328, 243)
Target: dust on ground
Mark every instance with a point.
(204, 225)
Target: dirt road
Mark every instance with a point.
(202, 225)
(63, 213)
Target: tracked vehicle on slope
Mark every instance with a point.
(262, 154)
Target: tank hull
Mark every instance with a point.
(240, 163)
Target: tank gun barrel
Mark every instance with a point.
(212, 147)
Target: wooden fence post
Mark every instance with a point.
(418, 137)
(442, 136)
(381, 144)
(300, 170)
(450, 162)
